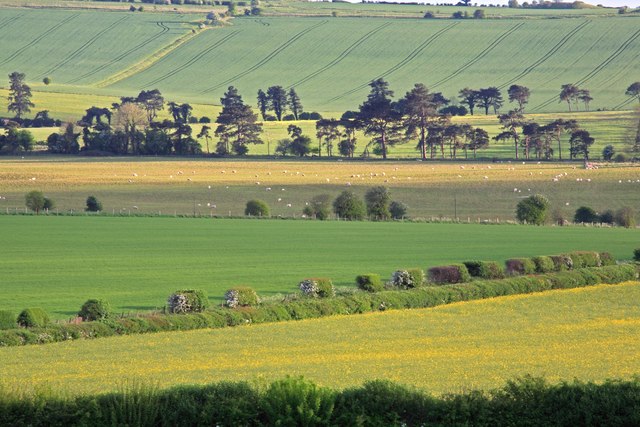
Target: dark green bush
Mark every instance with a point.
(485, 269)
(369, 282)
(607, 259)
(241, 296)
(520, 266)
(636, 254)
(562, 262)
(417, 276)
(95, 309)
(33, 318)
(454, 273)
(187, 301)
(297, 402)
(544, 264)
(8, 320)
(256, 208)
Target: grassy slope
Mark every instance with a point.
(135, 263)
(588, 333)
(329, 67)
(429, 189)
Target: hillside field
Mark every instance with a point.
(329, 61)
(587, 333)
(57, 263)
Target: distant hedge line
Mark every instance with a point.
(526, 401)
(306, 308)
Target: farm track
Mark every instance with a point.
(82, 48)
(37, 39)
(163, 30)
(195, 59)
(342, 56)
(479, 56)
(547, 55)
(10, 20)
(600, 67)
(400, 64)
(267, 58)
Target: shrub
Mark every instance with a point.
(377, 200)
(636, 254)
(454, 273)
(485, 269)
(297, 402)
(33, 318)
(398, 210)
(582, 259)
(607, 217)
(533, 209)
(93, 204)
(187, 301)
(402, 279)
(544, 264)
(317, 288)
(520, 266)
(562, 262)
(95, 309)
(256, 208)
(625, 217)
(348, 206)
(417, 276)
(35, 201)
(241, 296)
(607, 259)
(319, 207)
(369, 282)
(620, 158)
(585, 214)
(8, 320)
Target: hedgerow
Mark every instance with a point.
(527, 400)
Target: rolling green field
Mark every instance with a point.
(588, 334)
(57, 263)
(96, 52)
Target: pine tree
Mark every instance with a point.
(19, 95)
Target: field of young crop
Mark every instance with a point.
(96, 52)
(470, 191)
(57, 263)
(588, 333)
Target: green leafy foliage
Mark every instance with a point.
(8, 320)
(533, 210)
(297, 402)
(241, 296)
(256, 208)
(485, 269)
(95, 309)
(187, 301)
(519, 266)
(93, 204)
(544, 264)
(349, 206)
(33, 318)
(369, 282)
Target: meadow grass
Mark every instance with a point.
(588, 334)
(57, 263)
(471, 191)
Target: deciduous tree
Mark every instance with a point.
(519, 94)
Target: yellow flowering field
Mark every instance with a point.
(589, 333)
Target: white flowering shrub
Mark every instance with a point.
(309, 287)
(402, 279)
(240, 297)
(187, 301)
(317, 288)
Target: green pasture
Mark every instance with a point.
(586, 334)
(328, 60)
(57, 263)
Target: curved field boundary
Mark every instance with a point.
(35, 41)
(266, 59)
(195, 59)
(163, 29)
(547, 55)
(479, 56)
(82, 48)
(148, 61)
(591, 74)
(342, 56)
(400, 64)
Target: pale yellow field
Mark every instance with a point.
(590, 333)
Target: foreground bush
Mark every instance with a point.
(562, 262)
(484, 269)
(33, 318)
(520, 266)
(607, 259)
(582, 259)
(544, 264)
(8, 320)
(241, 296)
(636, 254)
(95, 309)
(526, 401)
(187, 301)
(454, 273)
(369, 282)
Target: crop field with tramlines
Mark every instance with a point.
(57, 263)
(329, 61)
(586, 333)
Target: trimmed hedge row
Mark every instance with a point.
(305, 308)
(526, 401)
